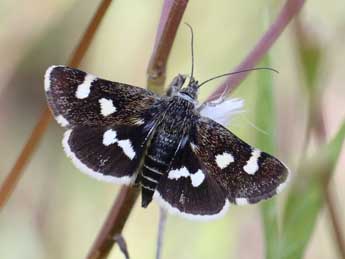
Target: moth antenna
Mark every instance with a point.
(238, 72)
(192, 50)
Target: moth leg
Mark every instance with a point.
(213, 103)
(216, 102)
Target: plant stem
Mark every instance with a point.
(89, 34)
(170, 19)
(161, 231)
(17, 170)
(171, 16)
(290, 9)
(114, 223)
(29, 148)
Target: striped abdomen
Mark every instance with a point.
(156, 163)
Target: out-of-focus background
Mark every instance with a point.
(56, 211)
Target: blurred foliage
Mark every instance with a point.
(306, 197)
(310, 54)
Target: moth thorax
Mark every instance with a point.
(190, 93)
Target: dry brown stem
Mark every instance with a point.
(290, 9)
(29, 148)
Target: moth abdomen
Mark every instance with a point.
(156, 163)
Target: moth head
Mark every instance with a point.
(190, 92)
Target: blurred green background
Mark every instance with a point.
(56, 211)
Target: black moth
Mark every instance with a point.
(168, 146)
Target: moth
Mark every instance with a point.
(177, 152)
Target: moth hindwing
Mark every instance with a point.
(178, 155)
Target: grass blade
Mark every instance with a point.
(265, 119)
(307, 197)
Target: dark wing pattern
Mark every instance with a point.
(189, 190)
(109, 123)
(247, 174)
(79, 98)
(109, 153)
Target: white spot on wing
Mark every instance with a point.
(61, 120)
(127, 148)
(107, 107)
(83, 168)
(224, 111)
(282, 186)
(47, 78)
(109, 137)
(197, 178)
(252, 165)
(84, 89)
(166, 205)
(224, 159)
(241, 201)
(178, 173)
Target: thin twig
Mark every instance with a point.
(161, 231)
(171, 16)
(169, 21)
(114, 223)
(89, 34)
(290, 9)
(17, 170)
(121, 242)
